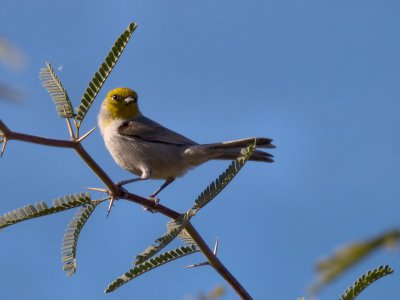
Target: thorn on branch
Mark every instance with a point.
(71, 132)
(216, 247)
(110, 205)
(111, 197)
(3, 148)
(86, 134)
(98, 190)
(205, 263)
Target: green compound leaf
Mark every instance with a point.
(41, 209)
(150, 265)
(101, 75)
(185, 237)
(346, 257)
(364, 281)
(57, 92)
(224, 179)
(175, 227)
(70, 240)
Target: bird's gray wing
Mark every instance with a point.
(144, 129)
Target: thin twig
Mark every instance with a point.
(114, 190)
(11, 135)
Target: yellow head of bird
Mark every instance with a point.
(121, 103)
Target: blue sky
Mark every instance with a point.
(319, 77)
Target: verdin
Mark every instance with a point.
(150, 150)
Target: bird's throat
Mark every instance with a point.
(124, 112)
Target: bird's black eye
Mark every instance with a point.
(116, 97)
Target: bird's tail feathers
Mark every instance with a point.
(231, 150)
(256, 156)
(260, 143)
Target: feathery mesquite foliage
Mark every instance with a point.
(71, 236)
(101, 75)
(174, 229)
(150, 264)
(364, 281)
(57, 92)
(41, 209)
(349, 255)
(222, 181)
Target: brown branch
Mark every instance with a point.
(11, 135)
(216, 263)
(122, 194)
(97, 169)
(208, 253)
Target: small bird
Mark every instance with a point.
(150, 150)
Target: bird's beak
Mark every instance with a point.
(129, 100)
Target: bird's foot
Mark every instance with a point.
(122, 189)
(153, 199)
(120, 183)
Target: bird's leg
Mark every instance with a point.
(123, 182)
(153, 197)
(146, 174)
(167, 182)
